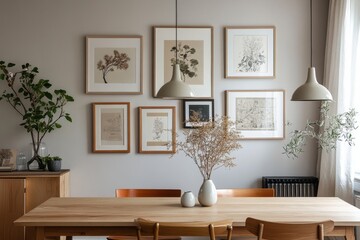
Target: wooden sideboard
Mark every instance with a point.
(21, 191)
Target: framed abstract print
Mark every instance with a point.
(197, 112)
(111, 127)
(249, 52)
(194, 54)
(114, 65)
(157, 129)
(258, 114)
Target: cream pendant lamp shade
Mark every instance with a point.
(176, 87)
(311, 90)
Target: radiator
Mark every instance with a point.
(292, 186)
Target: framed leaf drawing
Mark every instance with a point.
(111, 127)
(250, 52)
(202, 109)
(258, 114)
(157, 129)
(194, 55)
(114, 64)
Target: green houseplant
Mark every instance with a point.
(53, 163)
(40, 108)
(339, 127)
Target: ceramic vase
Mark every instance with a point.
(188, 199)
(207, 193)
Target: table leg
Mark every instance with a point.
(349, 233)
(40, 233)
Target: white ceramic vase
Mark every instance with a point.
(188, 199)
(207, 193)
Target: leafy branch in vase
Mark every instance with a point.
(40, 108)
(188, 65)
(326, 131)
(118, 61)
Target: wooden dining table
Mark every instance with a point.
(115, 216)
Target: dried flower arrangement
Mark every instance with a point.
(210, 144)
(338, 128)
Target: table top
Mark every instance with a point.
(123, 211)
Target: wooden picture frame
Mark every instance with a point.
(195, 55)
(111, 127)
(157, 129)
(203, 107)
(8, 159)
(250, 52)
(258, 114)
(114, 64)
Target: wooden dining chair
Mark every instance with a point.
(246, 192)
(157, 229)
(288, 231)
(120, 193)
(148, 193)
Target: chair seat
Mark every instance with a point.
(144, 238)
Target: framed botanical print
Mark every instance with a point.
(114, 65)
(157, 129)
(250, 52)
(8, 159)
(111, 127)
(258, 114)
(194, 52)
(198, 112)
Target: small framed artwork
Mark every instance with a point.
(8, 159)
(194, 52)
(202, 110)
(250, 52)
(114, 65)
(157, 129)
(258, 114)
(111, 127)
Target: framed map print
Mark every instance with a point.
(194, 52)
(111, 127)
(114, 65)
(157, 129)
(249, 52)
(258, 114)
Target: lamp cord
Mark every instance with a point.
(176, 28)
(311, 33)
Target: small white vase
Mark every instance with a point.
(188, 199)
(207, 193)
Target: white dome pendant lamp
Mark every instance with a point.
(176, 88)
(311, 90)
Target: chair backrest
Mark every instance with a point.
(156, 229)
(147, 193)
(288, 231)
(246, 192)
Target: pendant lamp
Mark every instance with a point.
(311, 90)
(176, 87)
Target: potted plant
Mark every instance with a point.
(338, 128)
(40, 108)
(209, 146)
(53, 163)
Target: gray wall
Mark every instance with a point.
(51, 35)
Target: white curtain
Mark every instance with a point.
(342, 77)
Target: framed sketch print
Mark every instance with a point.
(8, 159)
(111, 127)
(157, 129)
(249, 52)
(194, 54)
(202, 110)
(114, 64)
(258, 114)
